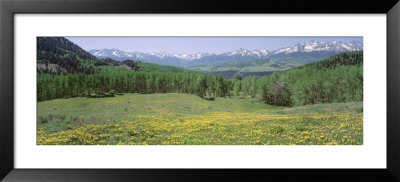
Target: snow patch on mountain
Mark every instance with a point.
(313, 46)
(241, 54)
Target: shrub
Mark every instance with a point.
(301, 128)
(74, 118)
(92, 95)
(62, 117)
(112, 92)
(50, 117)
(42, 119)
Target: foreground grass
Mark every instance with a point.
(159, 119)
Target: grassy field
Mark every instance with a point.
(247, 66)
(158, 119)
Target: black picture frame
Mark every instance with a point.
(8, 8)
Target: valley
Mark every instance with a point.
(241, 61)
(306, 94)
(259, 68)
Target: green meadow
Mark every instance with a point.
(156, 119)
(86, 100)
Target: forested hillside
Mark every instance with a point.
(336, 79)
(57, 55)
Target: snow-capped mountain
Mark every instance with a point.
(302, 53)
(313, 46)
(241, 52)
(191, 56)
(119, 54)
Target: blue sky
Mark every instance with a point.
(196, 44)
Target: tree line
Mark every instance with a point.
(74, 85)
(335, 79)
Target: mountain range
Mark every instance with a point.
(301, 53)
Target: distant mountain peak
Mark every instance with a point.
(321, 49)
(316, 46)
(247, 53)
(241, 49)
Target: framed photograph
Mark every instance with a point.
(157, 91)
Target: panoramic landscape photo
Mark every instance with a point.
(199, 91)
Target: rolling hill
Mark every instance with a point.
(58, 55)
